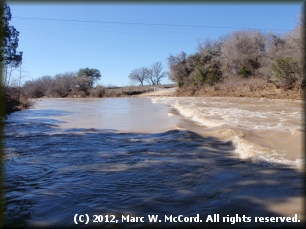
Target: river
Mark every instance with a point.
(119, 157)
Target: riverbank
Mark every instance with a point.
(268, 91)
(250, 89)
(13, 104)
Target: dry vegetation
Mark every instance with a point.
(69, 85)
(15, 101)
(256, 88)
(245, 63)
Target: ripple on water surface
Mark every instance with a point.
(54, 172)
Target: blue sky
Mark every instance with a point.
(57, 46)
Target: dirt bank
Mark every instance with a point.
(268, 90)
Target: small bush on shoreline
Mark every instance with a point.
(16, 101)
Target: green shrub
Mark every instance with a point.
(287, 70)
(200, 74)
(206, 75)
(244, 72)
(212, 77)
(180, 84)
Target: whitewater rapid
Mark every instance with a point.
(262, 130)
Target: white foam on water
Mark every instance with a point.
(247, 150)
(196, 116)
(154, 100)
(231, 118)
(256, 153)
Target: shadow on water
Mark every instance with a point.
(34, 120)
(47, 112)
(54, 175)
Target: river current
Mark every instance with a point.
(162, 156)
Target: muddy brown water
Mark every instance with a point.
(176, 156)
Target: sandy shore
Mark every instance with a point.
(161, 92)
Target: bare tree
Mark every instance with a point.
(209, 47)
(8, 74)
(149, 76)
(139, 75)
(243, 52)
(178, 69)
(81, 84)
(285, 58)
(33, 89)
(19, 81)
(157, 73)
(61, 85)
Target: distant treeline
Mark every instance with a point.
(242, 55)
(241, 63)
(69, 84)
